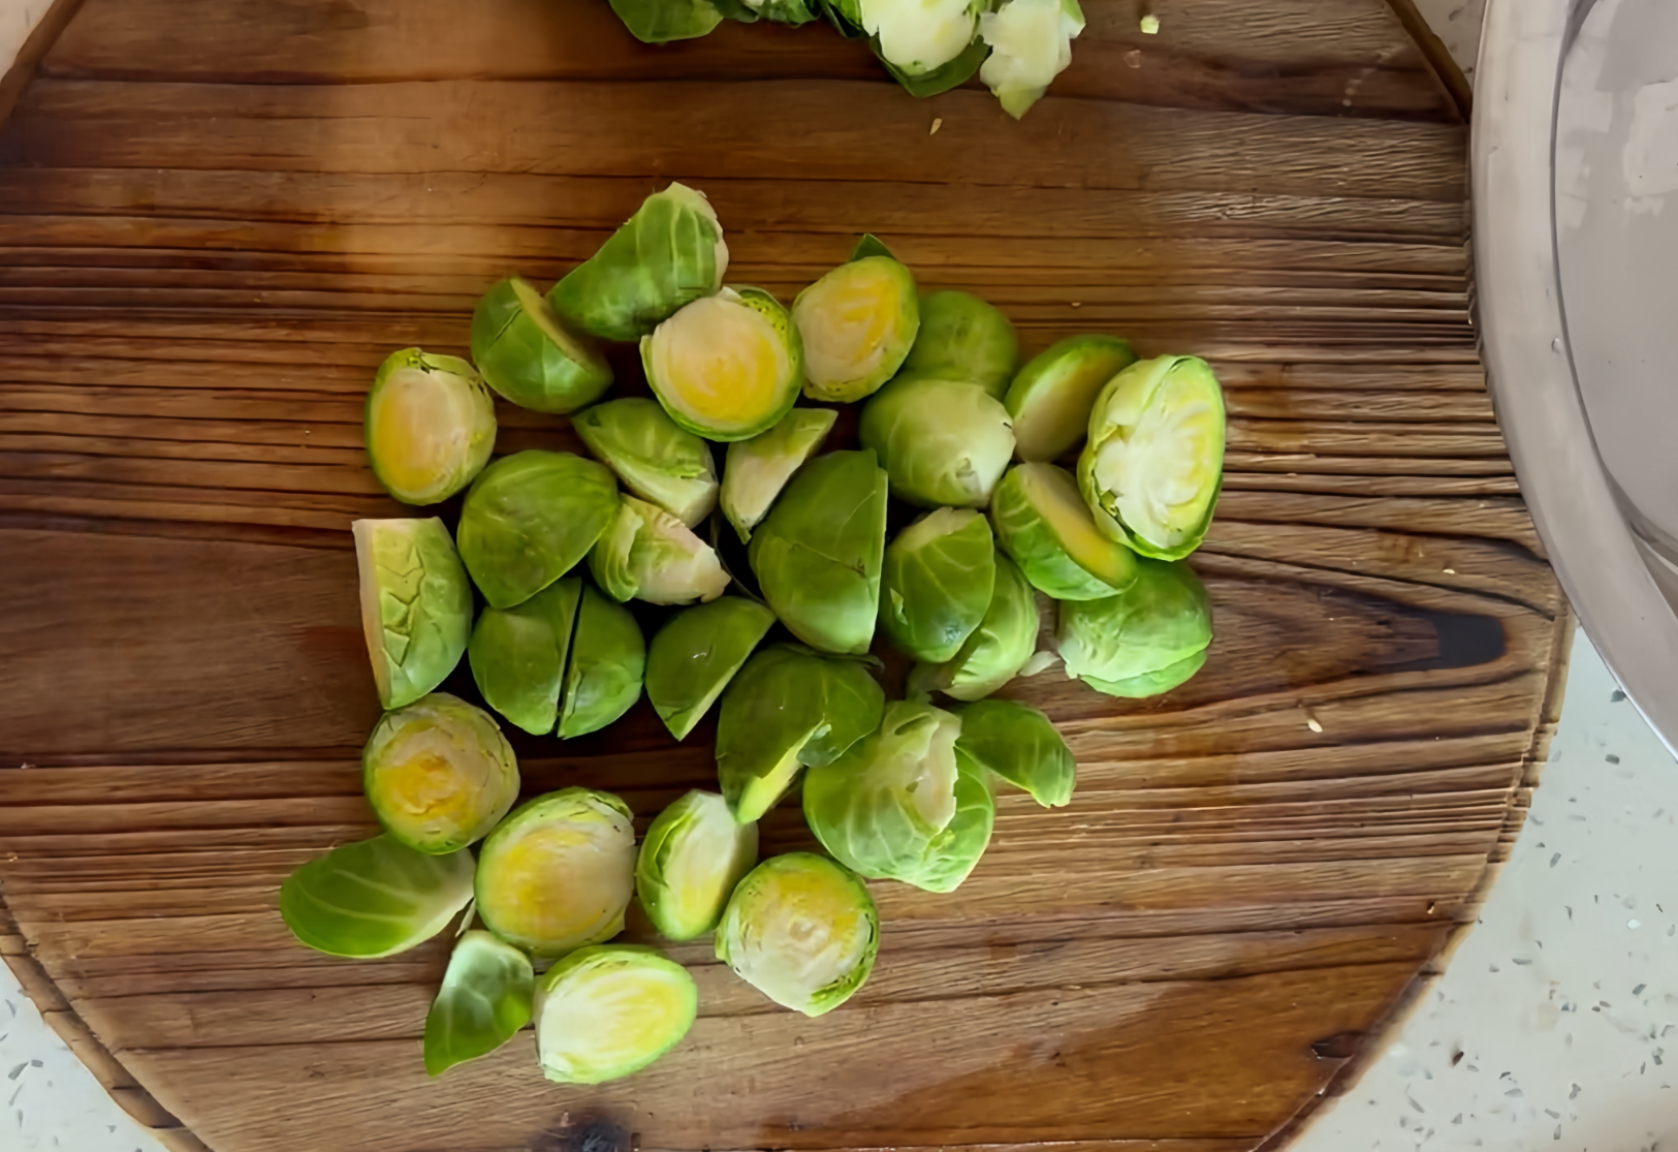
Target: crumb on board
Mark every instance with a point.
(937, 123)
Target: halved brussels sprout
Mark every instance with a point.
(858, 323)
(817, 556)
(1146, 640)
(1043, 524)
(1020, 745)
(788, 707)
(1050, 400)
(524, 352)
(1155, 457)
(669, 254)
(999, 647)
(439, 773)
(558, 873)
(941, 441)
(529, 518)
(964, 338)
(429, 426)
(603, 1013)
(648, 554)
(922, 39)
(416, 605)
(661, 21)
(608, 661)
(374, 898)
(757, 469)
(728, 366)
(486, 997)
(1031, 44)
(696, 653)
(656, 460)
(936, 583)
(518, 655)
(802, 930)
(692, 857)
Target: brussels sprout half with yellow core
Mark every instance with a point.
(997, 650)
(696, 653)
(936, 583)
(964, 338)
(439, 773)
(518, 655)
(429, 426)
(658, 461)
(605, 1012)
(1146, 640)
(757, 469)
(802, 930)
(942, 441)
(648, 554)
(1051, 398)
(525, 353)
(608, 661)
(1031, 44)
(1153, 463)
(558, 873)
(374, 898)
(1043, 524)
(728, 366)
(416, 605)
(858, 323)
(692, 857)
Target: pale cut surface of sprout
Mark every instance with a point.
(430, 426)
(727, 366)
(606, 1012)
(920, 35)
(1159, 473)
(1031, 44)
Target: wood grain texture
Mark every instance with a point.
(216, 220)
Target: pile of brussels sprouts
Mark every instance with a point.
(555, 544)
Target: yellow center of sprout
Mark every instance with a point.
(561, 884)
(848, 319)
(429, 787)
(804, 931)
(721, 362)
(418, 430)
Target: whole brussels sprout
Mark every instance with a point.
(529, 518)
(1031, 44)
(1019, 744)
(374, 898)
(696, 653)
(605, 1012)
(757, 469)
(525, 353)
(608, 661)
(857, 324)
(693, 855)
(942, 441)
(996, 651)
(728, 366)
(439, 773)
(518, 655)
(648, 554)
(1043, 524)
(429, 426)
(416, 605)
(659, 462)
(1146, 640)
(936, 583)
(1051, 398)
(962, 337)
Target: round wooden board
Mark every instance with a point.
(217, 218)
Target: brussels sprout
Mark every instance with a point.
(558, 873)
(998, 649)
(817, 556)
(858, 323)
(697, 652)
(518, 655)
(603, 1013)
(374, 898)
(1031, 44)
(650, 555)
(936, 583)
(608, 660)
(669, 254)
(693, 856)
(929, 46)
(656, 460)
(528, 520)
(416, 605)
(1043, 524)
(922, 83)
(757, 469)
(1155, 456)
(728, 366)
(1022, 746)
(439, 773)
(941, 441)
(802, 930)
(788, 707)
(661, 21)
(486, 998)
(1146, 640)
(775, 11)
(429, 426)
(524, 352)
(1051, 398)
(964, 338)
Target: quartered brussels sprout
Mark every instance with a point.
(608, 661)
(1155, 456)
(788, 707)
(1020, 745)
(529, 518)
(661, 21)
(936, 583)
(942, 441)
(416, 605)
(603, 1013)
(817, 556)
(1043, 524)
(429, 425)
(525, 353)
(1146, 640)
(518, 655)
(439, 773)
(757, 469)
(858, 323)
(696, 653)
(669, 254)
(648, 554)
(1031, 44)
(692, 857)
(728, 366)
(802, 930)
(901, 805)
(998, 649)
(656, 460)
(374, 898)
(558, 873)
(486, 997)
(1051, 398)
(963, 338)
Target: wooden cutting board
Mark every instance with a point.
(217, 217)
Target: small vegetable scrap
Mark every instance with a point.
(754, 567)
